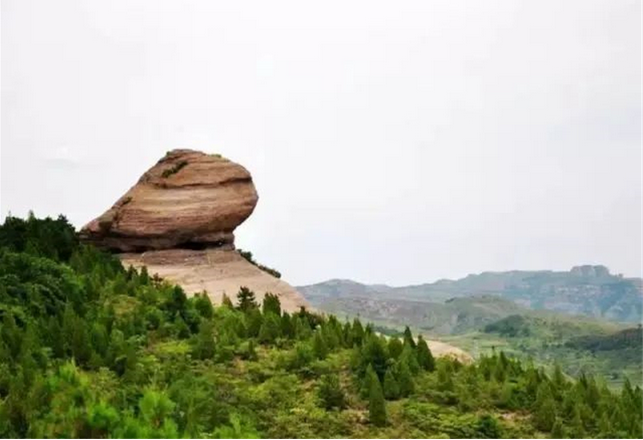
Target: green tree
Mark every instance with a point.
(203, 305)
(391, 387)
(373, 352)
(246, 299)
(409, 358)
(330, 392)
(369, 377)
(254, 322)
(271, 304)
(408, 338)
(320, 349)
(376, 404)
(270, 328)
(395, 347)
(357, 332)
(424, 355)
(405, 379)
(204, 346)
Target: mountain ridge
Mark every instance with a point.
(583, 290)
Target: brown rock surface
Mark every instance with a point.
(188, 199)
(179, 219)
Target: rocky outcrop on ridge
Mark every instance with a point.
(187, 200)
(179, 221)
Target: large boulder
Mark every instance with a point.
(188, 200)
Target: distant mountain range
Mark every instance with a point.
(452, 306)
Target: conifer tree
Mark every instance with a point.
(254, 322)
(395, 347)
(408, 337)
(391, 387)
(203, 305)
(358, 332)
(270, 328)
(320, 349)
(246, 299)
(330, 392)
(369, 377)
(373, 352)
(405, 379)
(271, 304)
(287, 327)
(424, 355)
(204, 345)
(348, 335)
(409, 357)
(376, 404)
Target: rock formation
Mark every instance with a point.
(179, 221)
(187, 200)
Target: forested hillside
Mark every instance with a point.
(89, 348)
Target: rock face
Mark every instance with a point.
(187, 200)
(179, 221)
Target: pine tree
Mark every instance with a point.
(348, 335)
(330, 392)
(373, 353)
(203, 305)
(424, 355)
(395, 347)
(391, 387)
(204, 346)
(369, 377)
(271, 304)
(287, 326)
(246, 299)
(270, 328)
(376, 404)
(409, 357)
(254, 322)
(405, 379)
(408, 337)
(358, 332)
(320, 349)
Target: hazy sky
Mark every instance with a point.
(395, 142)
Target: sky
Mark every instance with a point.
(390, 142)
